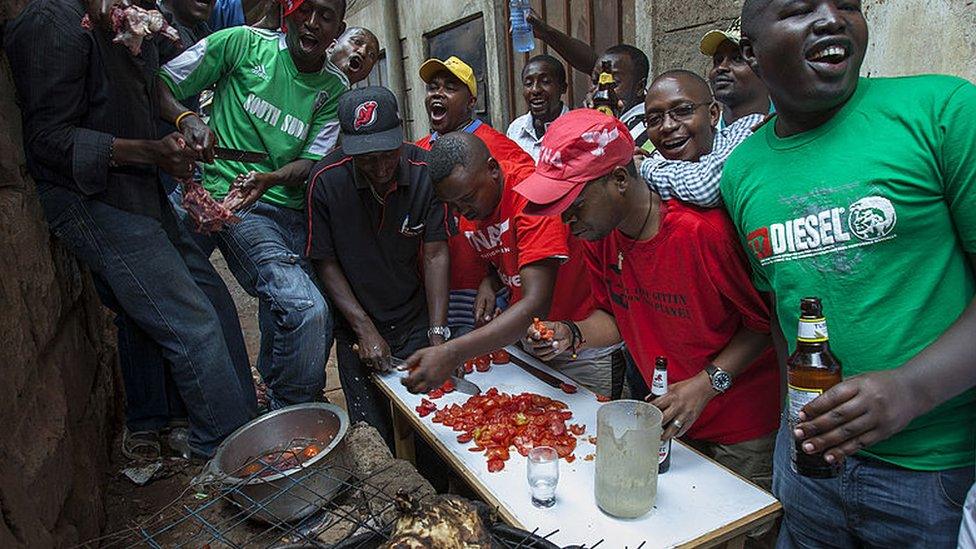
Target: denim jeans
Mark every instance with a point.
(265, 253)
(871, 504)
(364, 400)
(145, 263)
(152, 399)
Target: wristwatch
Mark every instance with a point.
(442, 331)
(721, 380)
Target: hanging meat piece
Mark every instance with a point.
(209, 215)
(133, 24)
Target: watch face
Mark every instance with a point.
(722, 381)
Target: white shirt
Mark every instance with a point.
(522, 132)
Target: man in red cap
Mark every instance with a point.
(671, 280)
(532, 255)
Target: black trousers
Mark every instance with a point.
(364, 400)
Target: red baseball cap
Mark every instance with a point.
(579, 146)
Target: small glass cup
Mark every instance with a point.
(542, 471)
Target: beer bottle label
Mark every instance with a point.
(798, 398)
(659, 385)
(812, 330)
(605, 110)
(663, 451)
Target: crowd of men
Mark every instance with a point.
(688, 227)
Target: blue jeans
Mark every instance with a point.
(151, 396)
(265, 253)
(871, 504)
(145, 263)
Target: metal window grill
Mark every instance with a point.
(353, 511)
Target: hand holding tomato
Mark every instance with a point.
(547, 340)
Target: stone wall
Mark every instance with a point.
(58, 405)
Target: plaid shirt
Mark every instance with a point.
(697, 182)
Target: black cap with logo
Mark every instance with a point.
(369, 121)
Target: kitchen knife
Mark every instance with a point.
(543, 376)
(460, 384)
(237, 155)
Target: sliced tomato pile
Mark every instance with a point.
(544, 332)
(497, 422)
(483, 363)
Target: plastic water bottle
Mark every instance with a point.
(522, 39)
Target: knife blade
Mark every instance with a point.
(238, 155)
(541, 375)
(460, 384)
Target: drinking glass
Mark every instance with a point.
(543, 474)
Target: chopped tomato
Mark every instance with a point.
(570, 458)
(482, 364)
(436, 393)
(464, 438)
(565, 415)
(577, 429)
(448, 387)
(500, 357)
(495, 465)
(602, 398)
(568, 388)
(468, 366)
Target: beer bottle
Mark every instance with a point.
(659, 386)
(605, 98)
(811, 369)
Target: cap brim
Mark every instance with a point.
(712, 39)
(548, 196)
(353, 144)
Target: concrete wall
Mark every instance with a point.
(419, 17)
(921, 36)
(58, 404)
(907, 36)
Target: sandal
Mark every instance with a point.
(141, 445)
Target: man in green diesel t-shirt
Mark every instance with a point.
(277, 93)
(863, 192)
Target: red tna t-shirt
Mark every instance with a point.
(683, 294)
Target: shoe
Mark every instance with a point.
(141, 445)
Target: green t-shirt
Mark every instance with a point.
(261, 103)
(874, 212)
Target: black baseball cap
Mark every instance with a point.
(369, 121)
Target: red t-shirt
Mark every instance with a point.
(509, 239)
(683, 294)
(467, 269)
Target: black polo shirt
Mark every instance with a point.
(378, 246)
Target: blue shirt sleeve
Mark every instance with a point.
(226, 13)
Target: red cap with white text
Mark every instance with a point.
(578, 147)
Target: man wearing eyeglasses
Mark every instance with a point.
(682, 118)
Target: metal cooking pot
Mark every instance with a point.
(293, 494)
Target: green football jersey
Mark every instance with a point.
(875, 213)
(261, 103)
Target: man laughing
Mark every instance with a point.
(861, 191)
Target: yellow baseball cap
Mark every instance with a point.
(453, 65)
(713, 38)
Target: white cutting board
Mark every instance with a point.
(695, 497)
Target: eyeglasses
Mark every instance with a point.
(678, 114)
